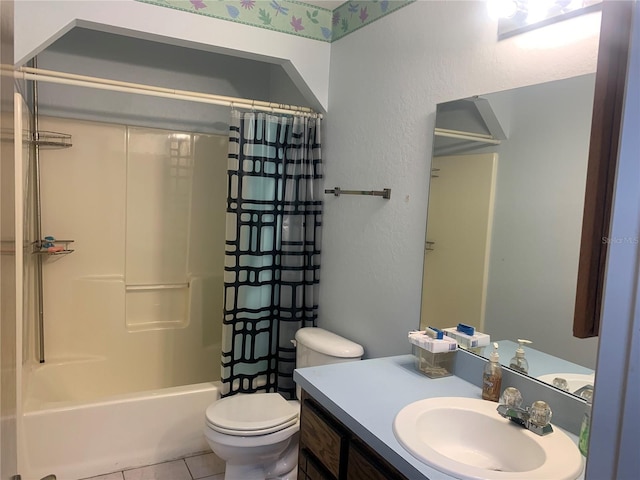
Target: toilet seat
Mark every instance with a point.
(251, 433)
(251, 415)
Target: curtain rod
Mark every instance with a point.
(63, 78)
(474, 137)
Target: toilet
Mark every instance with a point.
(257, 434)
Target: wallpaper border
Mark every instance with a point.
(290, 16)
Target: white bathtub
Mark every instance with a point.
(77, 440)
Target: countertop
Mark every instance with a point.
(366, 396)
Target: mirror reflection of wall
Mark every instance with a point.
(461, 205)
(533, 228)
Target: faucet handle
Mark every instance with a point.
(561, 383)
(511, 397)
(540, 413)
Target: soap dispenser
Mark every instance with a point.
(518, 362)
(492, 377)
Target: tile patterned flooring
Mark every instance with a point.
(198, 467)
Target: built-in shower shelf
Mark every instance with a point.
(59, 252)
(43, 247)
(51, 139)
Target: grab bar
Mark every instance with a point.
(155, 286)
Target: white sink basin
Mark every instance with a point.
(575, 381)
(468, 439)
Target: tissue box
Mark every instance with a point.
(433, 357)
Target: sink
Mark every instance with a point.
(575, 381)
(468, 439)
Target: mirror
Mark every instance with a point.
(504, 221)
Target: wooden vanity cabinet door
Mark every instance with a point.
(366, 464)
(309, 469)
(330, 451)
(323, 437)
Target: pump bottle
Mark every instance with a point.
(518, 362)
(492, 377)
(583, 439)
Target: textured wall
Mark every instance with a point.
(385, 81)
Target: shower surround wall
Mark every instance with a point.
(138, 305)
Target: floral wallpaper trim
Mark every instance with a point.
(351, 16)
(280, 15)
(289, 16)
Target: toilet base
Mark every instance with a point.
(243, 472)
(287, 463)
(292, 475)
(285, 468)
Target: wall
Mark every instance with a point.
(385, 81)
(537, 225)
(39, 23)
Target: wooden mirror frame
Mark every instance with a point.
(611, 73)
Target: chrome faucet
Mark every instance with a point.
(535, 418)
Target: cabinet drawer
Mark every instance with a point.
(365, 464)
(309, 469)
(322, 437)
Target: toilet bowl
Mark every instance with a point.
(257, 434)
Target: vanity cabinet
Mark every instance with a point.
(330, 451)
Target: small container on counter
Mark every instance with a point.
(433, 356)
(468, 338)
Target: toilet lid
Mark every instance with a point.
(252, 433)
(259, 413)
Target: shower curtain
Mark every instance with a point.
(272, 251)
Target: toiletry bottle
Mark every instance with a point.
(583, 439)
(518, 362)
(492, 377)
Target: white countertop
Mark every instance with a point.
(366, 396)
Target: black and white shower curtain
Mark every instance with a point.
(272, 252)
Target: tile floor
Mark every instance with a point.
(198, 467)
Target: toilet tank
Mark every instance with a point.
(316, 346)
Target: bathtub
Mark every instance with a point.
(75, 440)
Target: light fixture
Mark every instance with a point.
(519, 16)
(502, 8)
(539, 10)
